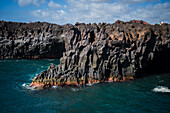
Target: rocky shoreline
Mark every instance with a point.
(32, 41)
(89, 53)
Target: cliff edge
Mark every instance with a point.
(89, 53)
(33, 40)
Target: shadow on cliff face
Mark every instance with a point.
(98, 53)
(160, 64)
(33, 41)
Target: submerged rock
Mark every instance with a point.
(94, 53)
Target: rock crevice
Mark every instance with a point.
(33, 40)
(107, 52)
(92, 53)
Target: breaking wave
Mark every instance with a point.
(26, 86)
(162, 89)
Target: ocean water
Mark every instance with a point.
(144, 95)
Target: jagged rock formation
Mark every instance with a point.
(33, 40)
(107, 52)
(100, 53)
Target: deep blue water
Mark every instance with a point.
(141, 95)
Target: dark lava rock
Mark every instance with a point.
(33, 40)
(88, 53)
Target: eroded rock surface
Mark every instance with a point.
(106, 52)
(33, 40)
(90, 53)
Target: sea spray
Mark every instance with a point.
(162, 89)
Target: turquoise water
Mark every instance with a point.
(144, 95)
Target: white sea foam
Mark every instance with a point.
(54, 87)
(162, 89)
(26, 86)
(89, 84)
(75, 89)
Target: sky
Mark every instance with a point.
(86, 11)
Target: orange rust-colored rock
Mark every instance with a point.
(139, 21)
(75, 83)
(37, 84)
(71, 83)
(110, 79)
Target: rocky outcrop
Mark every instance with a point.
(33, 40)
(89, 53)
(107, 52)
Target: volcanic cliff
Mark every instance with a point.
(89, 53)
(33, 40)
